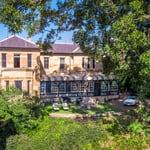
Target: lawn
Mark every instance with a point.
(77, 109)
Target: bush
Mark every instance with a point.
(17, 114)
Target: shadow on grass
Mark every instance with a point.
(77, 109)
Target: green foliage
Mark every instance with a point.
(136, 128)
(17, 114)
(19, 15)
(10, 92)
(57, 133)
(4, 115)
(22, 111)
(129, 142)
(54, 133)
(118, 29)
(144, 74)
(61, 134)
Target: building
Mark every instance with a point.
(63, 70)
(18, 63)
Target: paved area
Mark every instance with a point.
(59, 115)
(118, 103)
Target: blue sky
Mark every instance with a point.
(66, 37)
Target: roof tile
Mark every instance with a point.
(65, 48)
(17, 42)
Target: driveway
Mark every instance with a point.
(118, 103)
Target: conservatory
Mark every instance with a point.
(78, 85)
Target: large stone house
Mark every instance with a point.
(63, 70)
(18, 61)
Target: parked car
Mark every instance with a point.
(131, 101)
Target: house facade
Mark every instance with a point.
(18, 62)
(63, 70)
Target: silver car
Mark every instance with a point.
(131, 101)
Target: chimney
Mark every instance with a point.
(29, 38)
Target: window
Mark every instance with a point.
(46, 62)
(28, 86)
(7, 84)
(83, 63)
(29, 57)
(54, 87)
(62, 87)
(58, 87)
(62, 64)
(16, 60)
(48, 86)
(45, 87)
(91, 86)
(86, 86)
(104, 86)
(88, 63)
(18, 84)
(3, 60)
(114, 85)
(42, 87)
(74, 86)
(81, 86)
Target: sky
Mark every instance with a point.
(66, 37)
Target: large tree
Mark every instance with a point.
(116, 32)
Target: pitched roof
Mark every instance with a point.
(15, 41)
(65, 48)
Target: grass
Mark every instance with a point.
(76, 109)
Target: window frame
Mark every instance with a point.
(18, 82)
(114, 85)
(17, 62)
(46, 62)
(62, 64)
(29, 60)
(83, 62)
(104, 85)
(88, 63)
(75, 86)
(4, 60)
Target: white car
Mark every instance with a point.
(131, 101)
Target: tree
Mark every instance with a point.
(144, 74)
(17, 114)
(119, 30)
(116, 32)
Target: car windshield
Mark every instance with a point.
(131, 97)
